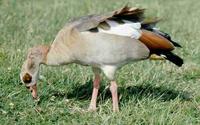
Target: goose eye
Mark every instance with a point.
(27, 78)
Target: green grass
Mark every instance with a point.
(151, 93)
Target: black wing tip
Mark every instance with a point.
(179, 63)
(176, 44)
(174, 58)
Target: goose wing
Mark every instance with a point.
(130, 22)
(92, 21)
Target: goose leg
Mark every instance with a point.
(109, 71)
(96, 83)
(113, 89)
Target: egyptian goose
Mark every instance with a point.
(106, 42)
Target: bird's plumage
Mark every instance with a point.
(125, 22)
(91, 21)
(106, 42)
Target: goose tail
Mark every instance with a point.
(160, 47)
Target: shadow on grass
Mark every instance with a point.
(84, 92)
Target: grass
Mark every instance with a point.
(151, 93)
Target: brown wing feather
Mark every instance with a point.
(92, 21)
(155, 42)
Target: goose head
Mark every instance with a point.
(31, 66)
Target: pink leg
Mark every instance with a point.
(93, 101)
(113, 89)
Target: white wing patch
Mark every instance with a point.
(129, 29)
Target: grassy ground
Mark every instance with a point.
(156, 93)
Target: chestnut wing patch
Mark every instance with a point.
(155, 42)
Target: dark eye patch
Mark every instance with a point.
(27, 78)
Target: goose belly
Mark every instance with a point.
(109, 49)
